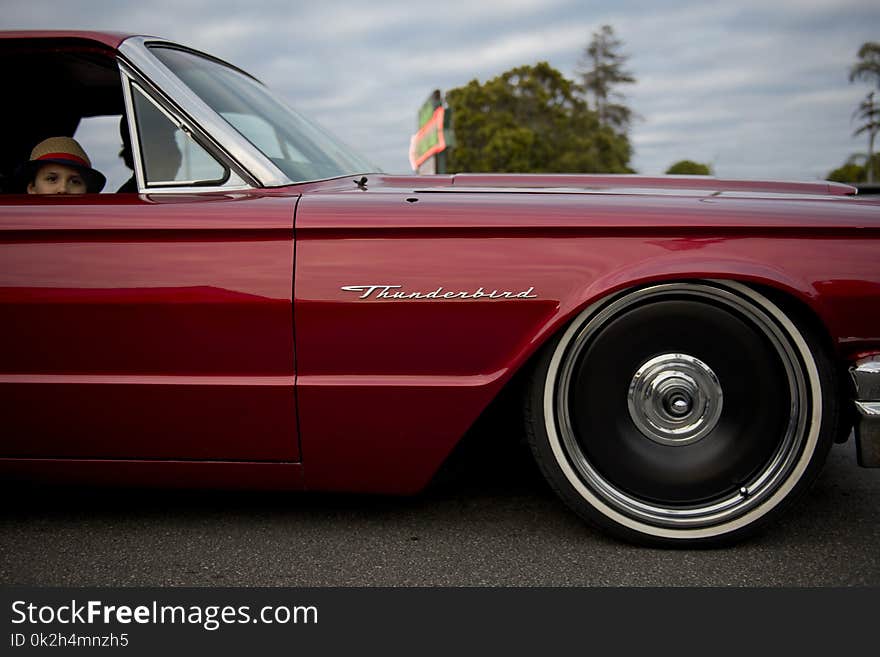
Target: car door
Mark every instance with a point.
(149, 326)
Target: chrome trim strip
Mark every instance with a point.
(866, 378)
(148, 379)
(200, 189)
(868, 434)
(210, 125)
(868, 409)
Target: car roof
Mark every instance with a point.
(109, 39)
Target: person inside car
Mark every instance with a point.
(129, 185)
(59, 165)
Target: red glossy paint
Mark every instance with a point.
(387, 387)
(153, 328)
(109, 39)
(161, 328)
(206, 339)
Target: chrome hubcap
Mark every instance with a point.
(675, 399)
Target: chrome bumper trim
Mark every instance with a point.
(866, 377)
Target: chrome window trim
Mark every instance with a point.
(233, 181)
(195, 189)
(234, 184)
(250, 162)
(133, 135)
(135, 86)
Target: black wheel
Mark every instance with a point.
(682, 413)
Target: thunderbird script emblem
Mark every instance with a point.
(395, 292)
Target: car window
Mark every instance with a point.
(300, 148)
(264, 136)
(169, 155)
(99, 136)
(60, 87)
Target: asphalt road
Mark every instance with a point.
(489, 521)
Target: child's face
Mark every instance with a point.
(54, 178)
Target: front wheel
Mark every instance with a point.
(682, 413)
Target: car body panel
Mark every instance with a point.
(413, 374)
(228, 475)
(617, 181)
(129, 329)
(109, 39)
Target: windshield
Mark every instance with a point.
(301, 149)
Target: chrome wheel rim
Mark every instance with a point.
(731, 508)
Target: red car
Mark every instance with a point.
(264, 310)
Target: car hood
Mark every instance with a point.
(593, 202)
(626, 184)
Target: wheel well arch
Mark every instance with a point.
(792, 299)
(796, 298)
(495, 419)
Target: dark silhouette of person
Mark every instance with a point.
(130, 185)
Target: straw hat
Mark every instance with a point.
(66, 151)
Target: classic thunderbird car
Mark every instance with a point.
(268, 311)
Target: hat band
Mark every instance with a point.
(64, 156)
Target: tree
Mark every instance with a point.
(848, 173)
(601, 70)
(689, 168)
(854, 170)
(868, 112)
(530, 119)
(868, 66)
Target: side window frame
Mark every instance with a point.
(234, 179)
(138, 92)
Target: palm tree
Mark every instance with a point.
(868, 66)
(868, 112)
(868, 69)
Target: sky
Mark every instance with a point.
(754, 88)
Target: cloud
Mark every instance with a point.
(758, 88)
